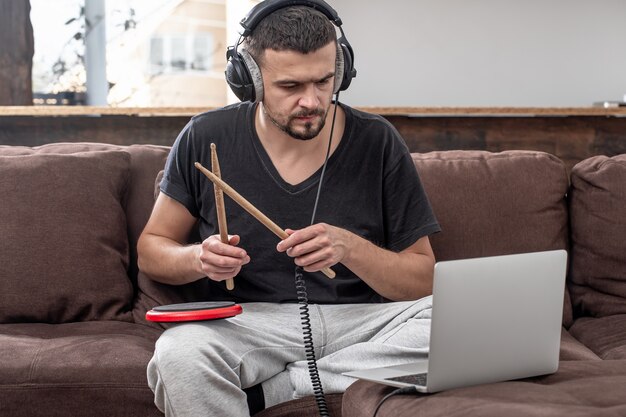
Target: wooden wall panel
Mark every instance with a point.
(571, 137)
(122, 130)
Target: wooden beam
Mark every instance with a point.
(570, 134)
(16, 53)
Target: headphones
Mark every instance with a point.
(243, 74)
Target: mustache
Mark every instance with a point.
(308, 113)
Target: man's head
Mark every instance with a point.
(296, 51)
(291, 60)
(279, 27)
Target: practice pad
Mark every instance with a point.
(210, 310)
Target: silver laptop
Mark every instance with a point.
(493, 319)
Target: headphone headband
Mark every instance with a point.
(267, 7)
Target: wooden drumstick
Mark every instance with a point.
(219, 206)
(247, 206)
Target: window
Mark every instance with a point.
(156, 55)
(202, 51)
(179, 53)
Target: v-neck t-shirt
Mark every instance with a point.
(370, 187)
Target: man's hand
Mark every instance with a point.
(404, 275)
(220, 261)
(317, 246)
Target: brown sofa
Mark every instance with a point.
(74, 341)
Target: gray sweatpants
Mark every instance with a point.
(200, 368)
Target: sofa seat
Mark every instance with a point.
(606, 336)
(98, 366)
(303, 407)
(572, 349)
(578, 388)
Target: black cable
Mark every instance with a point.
(309, 348)
(399, 391)
(305, 318)
(330, 141)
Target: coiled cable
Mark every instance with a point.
(305, 318)
(309, 348)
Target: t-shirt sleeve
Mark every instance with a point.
(179, 171)
(408, 213)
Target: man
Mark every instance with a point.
(371, 227)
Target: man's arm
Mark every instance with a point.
(164, 256)
(405, 275)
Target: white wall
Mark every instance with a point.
(485, 52)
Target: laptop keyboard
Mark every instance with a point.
(415, 379)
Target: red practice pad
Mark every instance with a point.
(194, 311)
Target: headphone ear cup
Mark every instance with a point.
(238, 76)
(348, 65)
(255, 74)
(339, 69)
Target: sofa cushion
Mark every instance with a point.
(64, 246)
(572, 349)
(152, 293)
(496, 203)
(76, 369)
(606, 336)
(598, 220)
(145, 163)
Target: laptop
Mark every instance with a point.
(493, 319)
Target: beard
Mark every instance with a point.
(311, 130)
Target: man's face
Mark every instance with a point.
(298, 89)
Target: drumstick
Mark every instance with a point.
(219, 206)
(247, 206)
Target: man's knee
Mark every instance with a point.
(180, 346)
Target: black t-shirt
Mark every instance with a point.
(370, 188)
